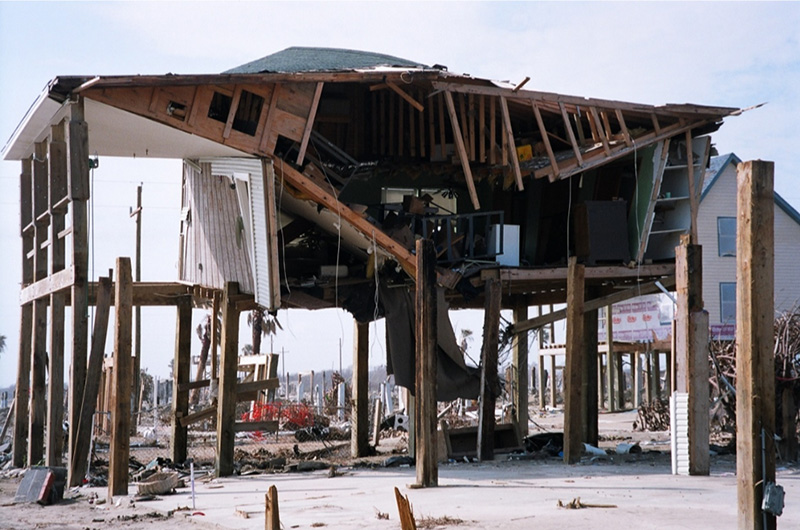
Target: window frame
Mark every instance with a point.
(723, 220)
(725, 302)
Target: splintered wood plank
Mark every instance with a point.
(575, 147)
(545, 139)
(511, 145)
(237, 95)
(693, 198)
(482, 129)
(312, 113)
(426, 365)
(623, 127)
(755, 371)
(119, 448)
(462, 155)
(601, 133)
(403, 94)
(272, 517)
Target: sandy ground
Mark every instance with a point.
(637, 491)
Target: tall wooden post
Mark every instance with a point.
(542, 380)
(520, 362)
(94, 382)
(22, 387)
(426, 368)
(589, 402)
(181, 368)
(359, 437)
(574, 365)
(57, 169)
(489, 384)
(137, 331)
(611, 365)
(636, 379)
(77, 140)
(691, 338)
(755, 371)
(226, 401)
(621, 382)
(119, 449)
(39, 337)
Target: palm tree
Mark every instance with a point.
(2, 343)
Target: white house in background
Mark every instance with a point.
(716, 224)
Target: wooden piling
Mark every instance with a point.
(119, 448)
(181, 369)
(359, 436)
(489, 383)
(520, 362)
(755, 371)
(426, 365)
(226, 401)
(573, 377)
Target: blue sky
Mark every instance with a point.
(728, 54)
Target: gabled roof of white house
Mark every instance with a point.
(716, 167)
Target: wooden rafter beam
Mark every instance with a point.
(461, 149)
(570, 167)
(624, 127)
(312, 113)
(322, 197)
(511, 145)
(601, 132)
(545, 138)
(573, 142)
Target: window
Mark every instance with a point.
(727, 302)
(726, 236)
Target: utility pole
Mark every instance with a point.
(137, 351)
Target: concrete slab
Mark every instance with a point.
(497, 495)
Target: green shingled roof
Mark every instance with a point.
(300, 59)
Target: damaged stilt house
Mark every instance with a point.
(309, 176)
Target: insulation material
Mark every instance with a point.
(454, 379)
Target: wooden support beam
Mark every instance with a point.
(553, 385)
(22, 387)
(542, 381)
(519, 361)
(304, 184)
(38, 393)
(272, 517)
(461, 149)
(694, 200)
(573, 417)
(589, 402)
(312, 113)
(181, 372)
(226, 404)
(636, 379)
(691, 337)
(621, 383)
(512, 146)
(626, 135)
(359, 437)
(426, 365)
(489, 383)
(546, 139)
(119, 448)
(755, 371)
(576, 149)
(55, 386)
(601, 133)
(78, 459)
(591, 305)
